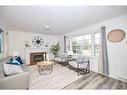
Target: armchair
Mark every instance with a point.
(80, 65)
(61, 59)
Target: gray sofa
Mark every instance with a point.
(17, 81)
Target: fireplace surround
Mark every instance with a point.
(38, 53)
(36, 57)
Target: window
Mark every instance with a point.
(97, 44)
(82, 45)
(1, 41)
(76, 46)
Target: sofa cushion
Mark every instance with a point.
(76, 65)
(24, 67)
(59, 59)
(74, 56)
(5, 60)
(2, 75)
(10, 69)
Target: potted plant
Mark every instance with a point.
(55, 49)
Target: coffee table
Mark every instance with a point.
(45, 67)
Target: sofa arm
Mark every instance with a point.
(18, 81)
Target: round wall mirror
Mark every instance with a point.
(116, 35)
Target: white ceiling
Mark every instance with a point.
(61, 19)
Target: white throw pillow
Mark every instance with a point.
(10, 69)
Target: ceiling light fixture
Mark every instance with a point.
(47, 27)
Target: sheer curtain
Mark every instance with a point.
(103, 63)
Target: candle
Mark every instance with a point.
(44, 56)
(47, 57)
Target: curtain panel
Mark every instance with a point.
(103, 63)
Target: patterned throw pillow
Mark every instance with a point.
(10, 69)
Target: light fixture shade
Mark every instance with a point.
(70, 52)
(15, 53)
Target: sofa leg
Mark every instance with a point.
(87, 70)
(69, 67)
(78, 73)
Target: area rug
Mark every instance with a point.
(59, 78)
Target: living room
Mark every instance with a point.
(52, 42)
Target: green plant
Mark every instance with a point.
(55, 49)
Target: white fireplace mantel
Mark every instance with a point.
(32, 50)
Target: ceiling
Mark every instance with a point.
(59, 19)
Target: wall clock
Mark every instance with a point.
(37, 41)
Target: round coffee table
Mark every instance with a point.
(45, 67)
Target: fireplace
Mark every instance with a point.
(36, 57)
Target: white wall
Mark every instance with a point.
(17, 41)
(117, 52)
(4, 27)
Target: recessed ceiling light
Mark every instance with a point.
(47, 27)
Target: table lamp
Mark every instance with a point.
(70, 53)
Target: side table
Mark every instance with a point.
(45, 67)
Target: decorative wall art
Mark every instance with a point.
(1, 40)
(27, 44)
(116, 35)
(46, 45)
(37, 41)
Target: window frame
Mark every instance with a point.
(81, 46)
(92, 44)
(95, 44)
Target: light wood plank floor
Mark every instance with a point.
(96, 81)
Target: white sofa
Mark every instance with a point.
(17, 81)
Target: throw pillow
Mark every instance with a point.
(10, 69)
(19, 59)
(11, 59)
(80, 59)
(14, 62)
(16, 58)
